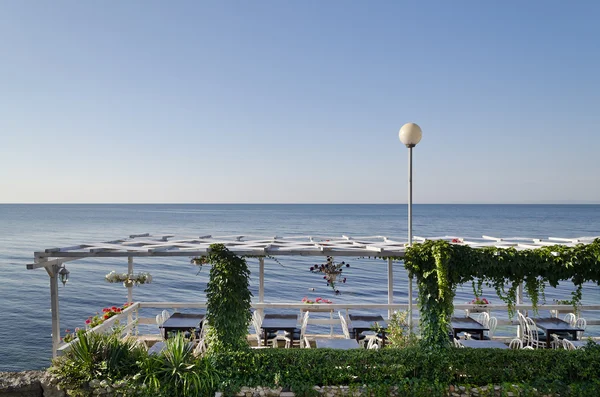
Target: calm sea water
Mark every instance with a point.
(25, 324)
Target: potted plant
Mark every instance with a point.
(331, 271)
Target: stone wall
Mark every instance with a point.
(28, 384)
(335, 391)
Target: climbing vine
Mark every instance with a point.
(439, 267)
(228, 299)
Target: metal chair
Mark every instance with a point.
(581, 323)
(344, 324)
(516, 344)
(570, 318)
(297, 339)
(568, 345)
(534, 334)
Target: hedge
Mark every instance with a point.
(416, 371)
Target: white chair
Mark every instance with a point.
(292, 339)
(372, 344)
(568, 345)
(201, 345)
(483, 318)
(344, 324)
(256, 323)
(570, 318)
(457, 343)
(306, 343)
(581, 323)
(528, 348)
(516, 344)
(524, 329)
(165, 315)
(534, 335)
(556, 343)
(492, 324)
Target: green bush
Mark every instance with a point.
(416, 371)
(100, 362)
(96, 357)
(175, 371)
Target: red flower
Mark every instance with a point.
(88, 321)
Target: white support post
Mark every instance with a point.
(520, 302)
(129, 291)
(390, 286)
(53, 273)
(261, 283)
(410, 304)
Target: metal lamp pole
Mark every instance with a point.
(410, 134)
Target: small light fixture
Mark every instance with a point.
(64, 274)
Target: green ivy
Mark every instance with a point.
(439, 267)
(228, 300)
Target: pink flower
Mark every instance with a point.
(88, 321)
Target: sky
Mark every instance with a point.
(299, 101)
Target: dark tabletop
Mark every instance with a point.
(466, 324)
(343, 344)
(280, 323)
(553, 324)
(280, 316)
(183, 321)
(366, 322)
(483, 344)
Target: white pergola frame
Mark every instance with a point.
(146, 245)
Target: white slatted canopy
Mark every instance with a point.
(146, 245)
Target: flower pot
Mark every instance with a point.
(332, 276)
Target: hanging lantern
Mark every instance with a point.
(64, 274)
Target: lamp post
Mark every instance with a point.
(410, 134)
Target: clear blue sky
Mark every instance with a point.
(281, 101)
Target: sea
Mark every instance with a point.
(25, 322)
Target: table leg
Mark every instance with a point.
(548, 338)
(382, 339)
(574, 335)
(264, 336)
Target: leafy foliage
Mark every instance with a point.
(398, 331)
(96, 356)
(176, 372)
(440, 267)
(416, 371)
(228, 300)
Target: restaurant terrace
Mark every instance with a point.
(147, 246)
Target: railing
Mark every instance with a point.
(130, 316)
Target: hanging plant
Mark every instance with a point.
(331, 271)
(128, 279)
(440, 267)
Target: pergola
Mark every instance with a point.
(146, 245)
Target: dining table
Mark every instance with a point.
(467, 324)
(278, 322)
(182, 322)
(360, 323)
(552, 325)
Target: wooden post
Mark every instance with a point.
(390, 286)
(53, 273)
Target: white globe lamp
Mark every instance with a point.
(410, 134)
